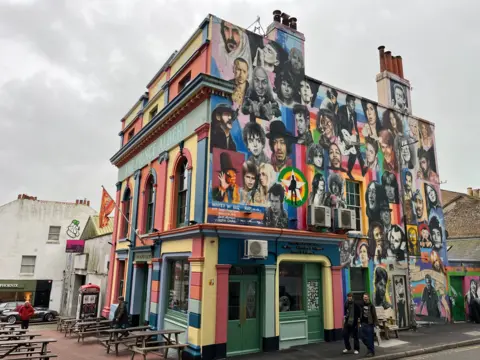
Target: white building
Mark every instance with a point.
(33, 243)
(89, 267)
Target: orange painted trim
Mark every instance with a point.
(195, 292)
(202, 131)
(197, 246)
(196, 259)
(159, 260)
(154, 296)
(196, 279)
(155, 285)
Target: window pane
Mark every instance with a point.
(251, 295)
(178, 286)
(234, 301)
(357, 280)
(54, 233)
(291, 286)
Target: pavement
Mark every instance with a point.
(463, 353)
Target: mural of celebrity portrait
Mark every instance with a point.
(223, 117)
(413, 242)
(302, 120)
(227, 189)
(330, 101)
(379, 245)
(327, 128)
(254, 139)
(436, 262)
(401, 300)
(295, 65)
(381, 281)
(427, 143)
(280, 141)
(436, 233)
(371, 158)
(373, 126)
(389, 182)
(433, 202)
(419, 207)
(285, 88)
(375, 196)
(398, 243)
(267, 177)
(392, 121)
(318, 194)
(232, 43)
(307, 93)
(268, 54)
(425, 237)
(315, 157)
(335, 197)
(348, 252)
(362, 253)
(399, 96)
(241, 72)
(275, 215)
(426, 172)
(387, 143)
(406, 152)
(430, 299)
(248, 193)
(472, 300)
(259, 101)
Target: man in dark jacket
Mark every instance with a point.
(350, 325)
(121, 314)
(26, 312)
(368, 321)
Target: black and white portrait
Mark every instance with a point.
(398, 243)
(399, 96)
(318, 194)
(285, 88)
(302, 122)
(436, 233)
(307, 93)
(223, 117)
(430, 299)
(405, 152)
(381, 280)
(275, 215)
(315, 157)
(401, 300)
(254, 138)
(373, 125)
(374, 197)
(335, 197)
(390, 184)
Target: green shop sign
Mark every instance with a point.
(10, 286)
(142, 256)
(169, 139)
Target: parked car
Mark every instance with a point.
(41, 314)
(10, 306)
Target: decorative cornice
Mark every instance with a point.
(196, 259)
(202, 131)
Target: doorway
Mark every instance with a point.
(458, 307)
(314, 303)
(243, 330)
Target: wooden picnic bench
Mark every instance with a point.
(61, 321)
(120, 336)
(13, 331)
(26, 349)
(386, 325)
(91, 328)
(146, 344)
(24, 336)
(68, 325)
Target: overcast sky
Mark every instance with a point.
(69, 71)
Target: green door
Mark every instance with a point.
(314, 303)
(243, 333)
(456, 283)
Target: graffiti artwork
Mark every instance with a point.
(73, 230)
(472, 298)
(283, 142)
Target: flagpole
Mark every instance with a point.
(120, 210)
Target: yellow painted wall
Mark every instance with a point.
(159, 101)
(327, 289)
(157, 85)
(186, 54)
(133, 114)
(191, 145)
(174, 246)
(194, 335)
(209, 291)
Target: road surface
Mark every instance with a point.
(463, 353)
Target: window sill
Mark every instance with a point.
(122, 240)
(27, 274)
(53, 242)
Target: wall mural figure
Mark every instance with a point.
(381, 280)
(472, 300)
(401, 300)
(399, 96)
(223, 117)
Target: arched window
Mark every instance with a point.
(149, 204)
(182, 192)
(126, 204)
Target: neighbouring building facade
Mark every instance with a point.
(89, 266)
(258, 197)
(462, 219)
(32, 262)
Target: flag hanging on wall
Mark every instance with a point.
(106, 207)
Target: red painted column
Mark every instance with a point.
(161, 192)
(337, 297)
(106, 307)
(222, 304)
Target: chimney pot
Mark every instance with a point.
(88, 202)
(19, 196)
(277, 15)
(476, 193)
(394, 65)
(285, 18)
(470, 191)
(381, 51)
(400, 66)
(293, 23)
(388, 61)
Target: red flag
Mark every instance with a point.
(106, 207)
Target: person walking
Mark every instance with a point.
(368, 321)
(26, 311)
(350, 325)
(121, 314)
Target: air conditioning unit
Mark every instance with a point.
(320, 216)
(347, 219)
(256, 249)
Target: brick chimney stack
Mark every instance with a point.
(26, 197)
(390, 63)
(82, 202)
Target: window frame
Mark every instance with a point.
(149, 207)
(184, 81)
(126, 205)
(50, 233)
(22, 265)
(152, 113)
(130, 135)
(181, 193)
(356, 185)
(171, 314)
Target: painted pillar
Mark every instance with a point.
(189, 195)
(222, 308)
(327, 292)
(159, 222)
(201, 174)
(155, 291)
(133, 226)
(195, 299)
(337, 302)
(134, 282)
(270, 340)
(149, 287)
(113, 263)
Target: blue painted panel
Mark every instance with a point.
(200, 181)
(205, 33)
(156, 275)
(194, 320)
(153, 320)
(231, 251)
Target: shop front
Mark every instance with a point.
(35, 291)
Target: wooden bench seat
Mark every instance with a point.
(144, 351)
(386, 325)
(45, 356)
